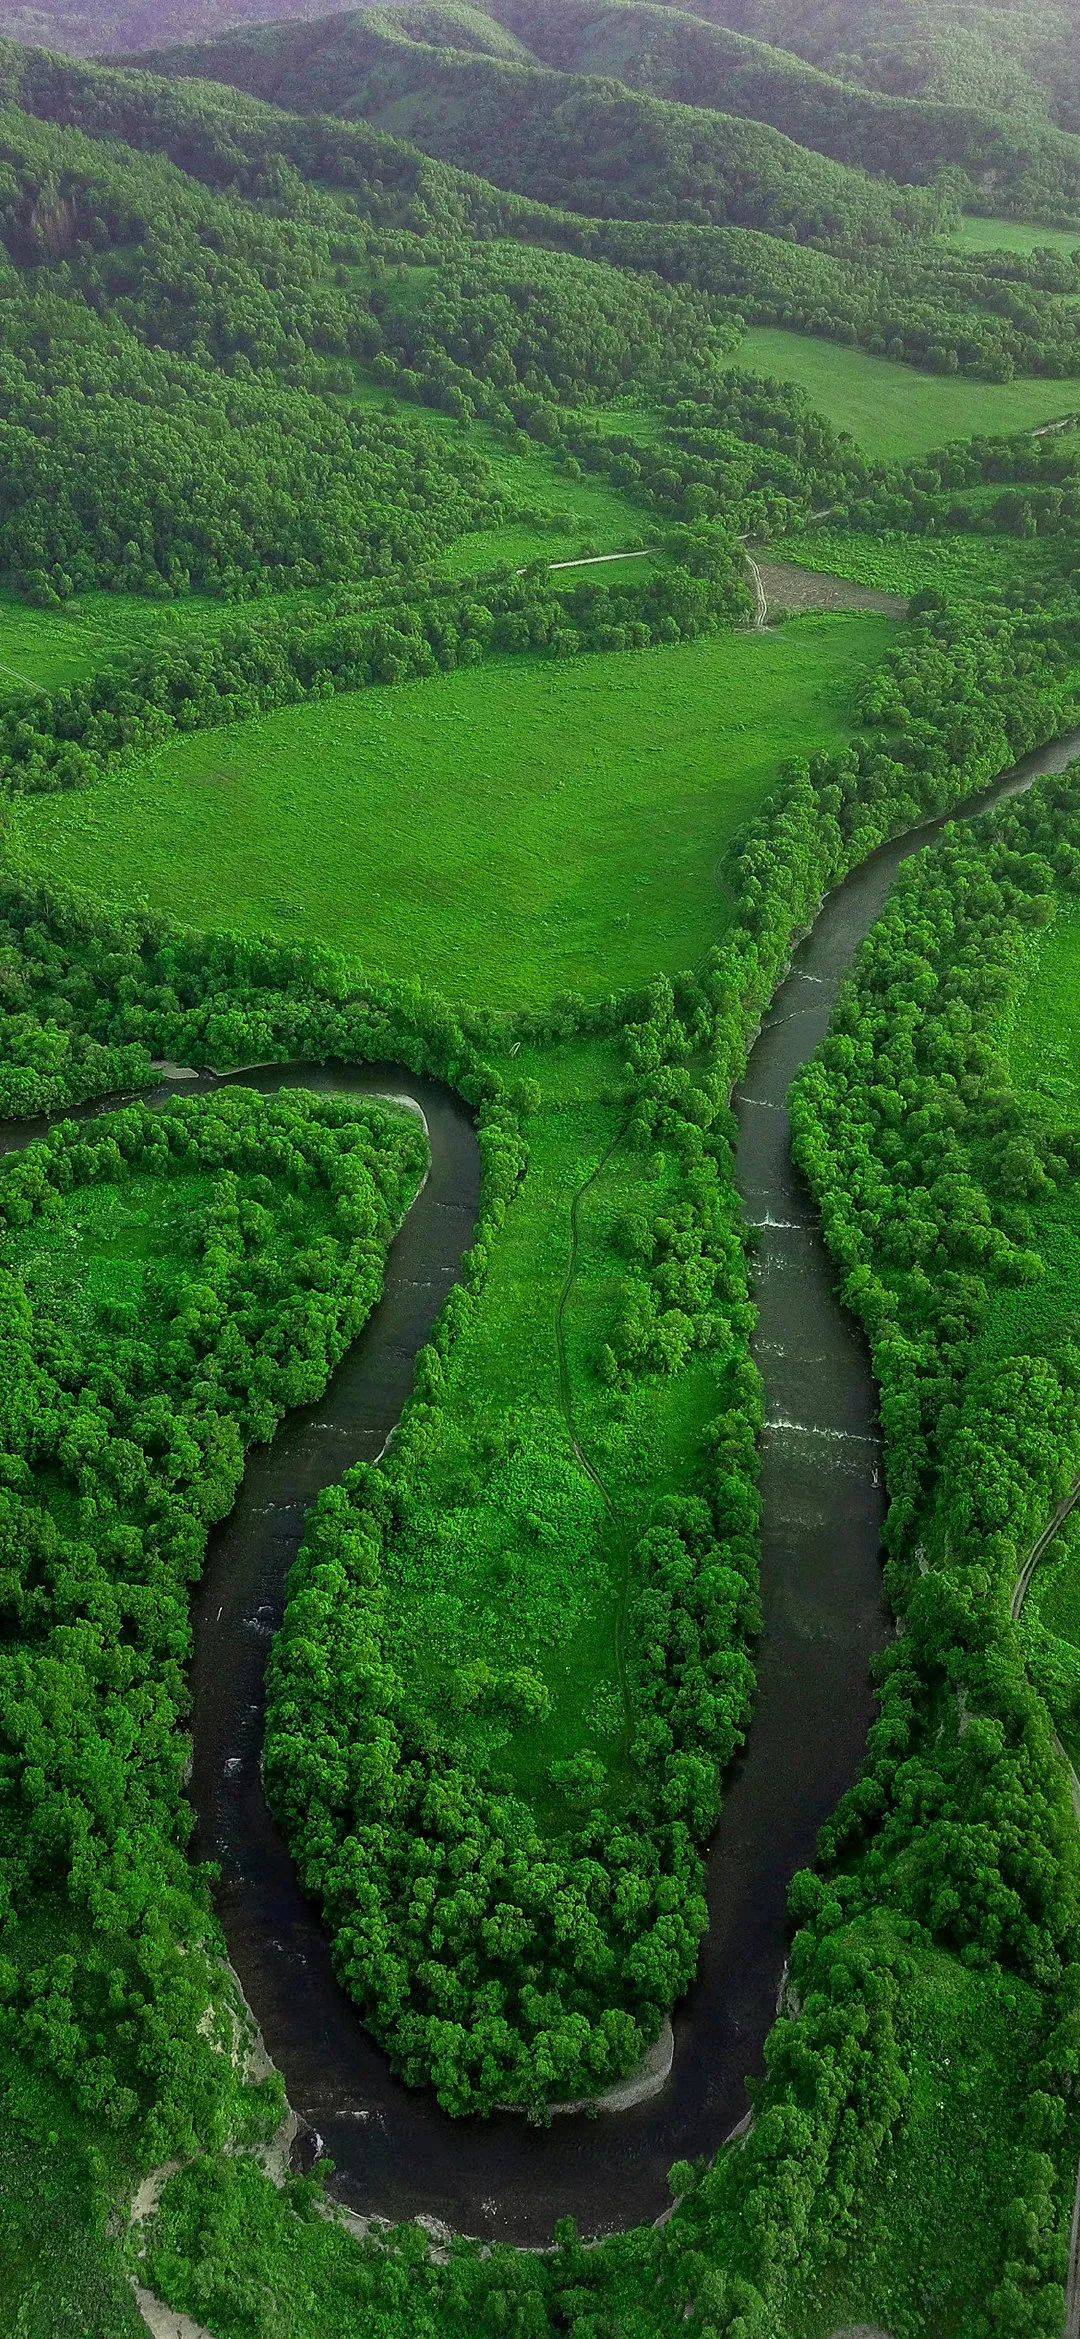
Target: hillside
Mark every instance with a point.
(556, 136)
(1025, 164)
(422, 74)
(539, 852)
(1001, 53)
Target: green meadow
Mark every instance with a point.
(965, 568)
(507, 1544)
(1015, 235)
(507, 831)
(891, 410)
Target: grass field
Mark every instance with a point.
(61, 2271)
(508, 831)
(972, 569)
(1045, 1055)
(1014, 235)
(551, 515)
(509, 1551)
(48, 648)
(933, 2217)
(892, 411)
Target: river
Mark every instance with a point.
(395, 2153)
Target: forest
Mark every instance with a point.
(539, 911)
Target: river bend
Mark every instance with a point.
(396, 2154)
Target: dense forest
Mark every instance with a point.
(348, 360)
(637, 148)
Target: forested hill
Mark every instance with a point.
(672, 54)
(1003, 53)
(223, 322)
(561, 137)
(646, 111)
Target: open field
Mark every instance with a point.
(61, 2272)
(508, 1545)
(1014, 235)
(1046, 1039)
(965, 568)
(892, 411)
(552, 515)
(942, 2188)
(508, 831)
(51, 647)
(550, 518)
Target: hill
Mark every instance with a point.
(1001, 53)
(499, 566)
(1024, 162)
(560, 138)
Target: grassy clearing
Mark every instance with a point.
(1014, 235)
(51, 647)
(971, 569)
(1045, 1055)
(510, 830)
(892, 411)
(1050, 1632)
(508, 1544)
(1046, 1040)
(550, 514)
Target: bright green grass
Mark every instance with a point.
(1050, 1634)
(1044, 1049)
(117, 1244)
(551, 515)
(509, 1552)
(973, 569)
(132, 1242)
(1055, 1588)
(1014, 235)
(506, 832)
(1046, 1038)
(892, 411)
(51, 647)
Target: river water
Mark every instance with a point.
(396, 2154)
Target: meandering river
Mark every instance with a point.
(396, 2153)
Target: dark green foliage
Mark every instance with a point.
(943, 1164)
(123, 1429)
(502, 1962)
(199, 294)
(932, 1171)
(1018, 160)
(546, 134)
(555, 2016)
(1022, 61)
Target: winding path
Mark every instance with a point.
(396, 2153)
(1039, 1550)
(761, 602)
